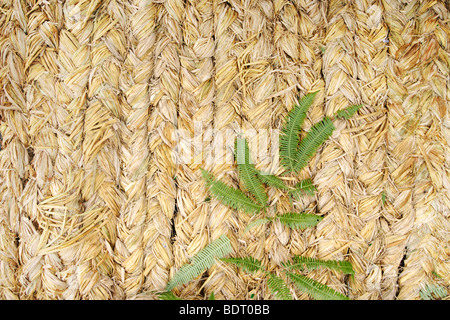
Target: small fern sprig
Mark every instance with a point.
(295, 153)
(299, 220)
(304, 188)
(247, 172)
(292, 220)
(433, 292)
(302, 263)
(290, 133)
(230, 196)
(167, 295)
(275, 284)
(257, 222)
(248, 264)
(280, 288)
(203, 260)
(313, 288)
(347, 113)
(272, 181)
(314, 138)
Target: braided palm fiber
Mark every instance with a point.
(401, 74)
(14, 158)
(285, 64)
(61, 210)
(42, 90)
(195, 118)
(337, 230)
(297, 38)
(257, 85)
(74, 65)
(228, 32)
(138, 24)
(429, 97)
(371, 56)
(311, 33)
(93, 204)
(102, 156)
(161, 189)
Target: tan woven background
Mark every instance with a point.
(92, 205)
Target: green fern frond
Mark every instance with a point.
(248, 264)
(247, 172)
(272, 181)
(433, 292)
(314, 288)
(290, 134)
(203, 260)
(216, 249)
(436, 274)
(347, 113)
(256, 223)
(278, 287)
(229, 196)
(304, 187)
(167, 295)
(310, 264)
(299, 220)
(314, 138)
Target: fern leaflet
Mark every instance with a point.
(314, 138)
(203, 260)
(433, 292)
(167, 295)
(247, 172)
(272, 181)
(299, 220)
(314, 288)
(290, 134)
(248, 264)
(310, 264)
(347, 113)
(304, 187)
(278, 287)
(229, 196)
(256, 223)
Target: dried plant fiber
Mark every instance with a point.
(97, 94)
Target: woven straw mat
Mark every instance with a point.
(97, 94)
